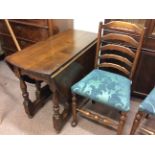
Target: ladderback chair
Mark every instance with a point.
(110, 82)
(146, 108)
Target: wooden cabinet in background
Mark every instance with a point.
(144, 79)
(30, 31)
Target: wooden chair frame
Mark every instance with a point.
(121, 26)
(137, 121)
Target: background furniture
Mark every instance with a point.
(30, 31)
(144, 79)
(107, 87)
(59, 61)
(146, 108)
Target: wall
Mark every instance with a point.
(87, 24)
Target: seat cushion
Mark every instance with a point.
(106, 88)
(148, 105)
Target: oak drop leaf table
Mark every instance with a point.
(46, 60)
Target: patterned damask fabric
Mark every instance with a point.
(106, 88)
(148, 105)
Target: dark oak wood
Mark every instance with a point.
(38, 89)
(104, 52)
(123, 26)
(49, 61)
(121, 37)
(138, 118)
(74, 121)
(116, 66)
(144, 71)
(57, 117)
(116, 57)
(122, 122)
(30, 31)
(144, 79)
(127, 27)
(97, 117)
(52, 53)
(12, 34)
(119, 48)
(27, 102)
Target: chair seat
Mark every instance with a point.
(148, 105)
(106, 88)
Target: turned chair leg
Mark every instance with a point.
(136, 122)
(74, 112)
(122, 122)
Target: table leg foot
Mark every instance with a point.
(27, 102)
(28, 108)
(58, 123)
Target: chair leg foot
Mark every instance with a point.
(74, 123)
(136, 122)
(121, 123)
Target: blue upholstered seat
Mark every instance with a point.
(106, 88)
(148, 105)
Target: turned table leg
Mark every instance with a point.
(27, 102)
(74, 113)
(57, 118)
(38, 89)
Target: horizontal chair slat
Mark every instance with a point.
(121, 37)
(116, 66)
(98, 118)
(116, 57)
(124, 26)
(120, 48)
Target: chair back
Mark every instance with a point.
(119, 48)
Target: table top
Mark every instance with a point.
(48, 56)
